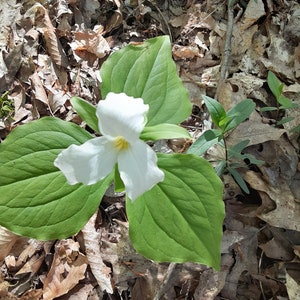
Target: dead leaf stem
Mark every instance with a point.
(227, 48)
(166, 281)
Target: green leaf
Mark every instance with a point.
(119, 184)
(239, 179)
(164, 131)
(220, 167)
(180, 219)
(205, 141)
(224, 122)
(239, 147)
(239, 113)
(235, 151)
(252, 159)
(147, 71)
(268, 108)
(36, 200)
(286, 103)
(285, 120)
(215, 109)
(296, 129)
(86, 111)
(274, 84)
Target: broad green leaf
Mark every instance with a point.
(164, 131)
(240, 113)
(274, 84)
(86, 111)
(147, 71)
(205, 141)
(180, 219)
(36, 200)
(215, 109)
(239, 179)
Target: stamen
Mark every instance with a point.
(120, 143)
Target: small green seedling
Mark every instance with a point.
(226, 121)
(284, 103)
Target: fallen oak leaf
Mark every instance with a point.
(68, 267)
(92, 247)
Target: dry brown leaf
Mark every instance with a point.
(92, 240)
(245, 259)
(126, 262)
(32, 295)
(185, 52)
(39, 14)
(279, 247)
(39, 91)
(3, 67)
(142, 289)
(68, 267)
(90, 45)
(10, 12)
(82, 291)
(116, 19)
(255, 131)
(241, 86)
(32, 265)
(254, 11)
(7, 240)
(287, 212)
(293, 287)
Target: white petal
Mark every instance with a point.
(89, 162)
(138, 169)
(121, 115)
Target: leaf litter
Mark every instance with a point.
(52, 50)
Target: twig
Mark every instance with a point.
(227, 48)
(166, 281)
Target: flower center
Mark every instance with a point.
(120, 143)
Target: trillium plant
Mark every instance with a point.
(53, 173)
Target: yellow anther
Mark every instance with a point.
(120, 143)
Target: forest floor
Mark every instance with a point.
(53, 50)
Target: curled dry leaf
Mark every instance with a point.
(92, 245)
(40, 93)
(68, 267)
(89, 45)
(40, 17)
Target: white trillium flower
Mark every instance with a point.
(121, 119)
